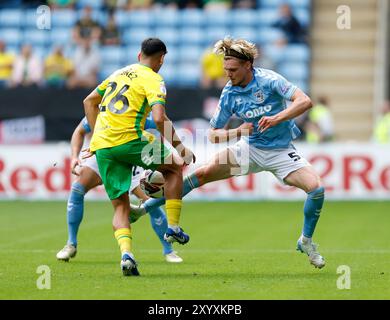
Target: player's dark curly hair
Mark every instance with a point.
(152, 46)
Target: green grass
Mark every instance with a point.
(237, 251)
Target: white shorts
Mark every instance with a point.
(92, 164)
(280, 162)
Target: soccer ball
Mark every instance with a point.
(152, 183)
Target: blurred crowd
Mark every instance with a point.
(81, 69)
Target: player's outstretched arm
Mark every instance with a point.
(301, 103)
(165, 127)
(91, 107)
(223, 135)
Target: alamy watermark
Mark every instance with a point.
(44, 280)
(344, 280)
(43, 21)
(344, 20)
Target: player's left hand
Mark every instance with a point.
(267, 122)
(87, 153)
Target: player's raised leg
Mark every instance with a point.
(308, 180)
(222, 166)
(87, 180)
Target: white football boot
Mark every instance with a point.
(172, 257)
(310, 249)
(67, 252)
(136, 212)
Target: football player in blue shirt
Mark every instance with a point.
(88, 177)
(258, 97)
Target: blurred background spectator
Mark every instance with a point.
(86, 66)
(319, 126)
(213, 74)
(27, 68)
(139, 4)
(217, 4)
(382, 127)
(110, 33)
(57, 68)
(86, 29)
(291, 27)
(244, 4)
(61, 4)
(6, 63)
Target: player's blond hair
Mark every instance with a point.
(228, 45)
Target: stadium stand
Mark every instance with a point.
(187, 34)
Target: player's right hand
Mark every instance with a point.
(74, 163)
(246, 129)
(87, 153)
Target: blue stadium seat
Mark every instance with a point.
(265, 17)
(130, 54)
(168, 35)
(111, 54)
(191, 18)
(11, 36)
(303, 16)
(172, 56)
(122, 18)
(244, 18)
(217, 18)
(137, 35)
(276, 53)
(188, 75)
(268, 36)
(168, 72)
(61, 36)
(30, 19)
(297, 53)
(248, 33)
(191, 36)
(190, 54)
(37, 37)
(63, 18)
(294, 71)
(13, 49)
(166, 18)
(10, 18)
(141, 18)
(213, 34)
(41, 52)
(107, 69)
(95, 4)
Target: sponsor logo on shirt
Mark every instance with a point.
(256, 112)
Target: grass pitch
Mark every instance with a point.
(237, 251)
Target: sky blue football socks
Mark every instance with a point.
(312, 211)
(160, 225)
(75, 211)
